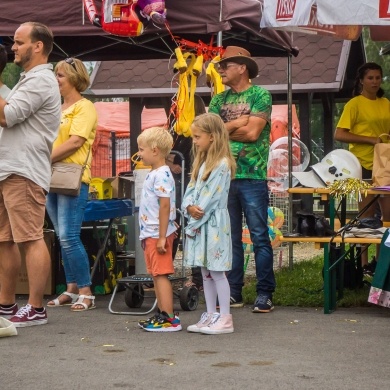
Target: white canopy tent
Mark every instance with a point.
(343, 19)
(339, 18)
(329, 12)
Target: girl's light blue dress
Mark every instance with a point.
(208, 241)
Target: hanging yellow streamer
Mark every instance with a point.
(185, 103)
(213, 78)
(190, 68)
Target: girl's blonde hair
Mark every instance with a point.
(76, 73)
(212, 124)
(157, 137)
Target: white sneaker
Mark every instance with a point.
(7, 328)
(205, 319)
(219, 324)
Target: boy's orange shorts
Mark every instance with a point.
(157, 263)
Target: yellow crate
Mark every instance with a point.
(100, 188)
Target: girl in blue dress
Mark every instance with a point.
(208, 243)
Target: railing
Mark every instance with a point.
(111, 155)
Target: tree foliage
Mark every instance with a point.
(11, 75)
(12, 72)
(372, 50)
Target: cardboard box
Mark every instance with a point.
(22, 286)
(118, 187)
(123, 187)
(100, 188)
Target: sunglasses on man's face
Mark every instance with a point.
(70, 61)
(225, 65)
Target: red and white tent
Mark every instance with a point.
(341, 18)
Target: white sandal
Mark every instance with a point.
(84, 305)
(74, 298)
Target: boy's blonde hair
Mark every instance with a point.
(220, 148)
(157, 137)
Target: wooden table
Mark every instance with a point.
(330, 289)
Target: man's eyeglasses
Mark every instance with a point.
(70, 61)
(226, 65)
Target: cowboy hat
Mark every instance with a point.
(240, 56)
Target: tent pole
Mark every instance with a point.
(219, 35)
(219, 38)
(136, 107)
(290, 154)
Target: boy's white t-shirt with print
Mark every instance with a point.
(159, 183)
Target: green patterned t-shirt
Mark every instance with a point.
(251, 157)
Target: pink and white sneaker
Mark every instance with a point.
(219, 324)
(205, 319)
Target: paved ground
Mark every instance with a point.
(291, 348)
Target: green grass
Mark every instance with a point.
(303, 286)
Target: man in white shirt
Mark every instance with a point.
(29, 123)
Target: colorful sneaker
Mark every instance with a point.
(28, 316)
(205, 319)
(142, 323)
(219, 324)
(263, 304)
(163, 323)
(8, 312)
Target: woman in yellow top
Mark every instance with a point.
(364, 119)
(73, 144)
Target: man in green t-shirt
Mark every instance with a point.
(246, 111)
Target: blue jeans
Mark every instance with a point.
(251, 198)
(66, 213)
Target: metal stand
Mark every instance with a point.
(135, 294)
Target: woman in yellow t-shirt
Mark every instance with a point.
(73, 144)
(365, 117)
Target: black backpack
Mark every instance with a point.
(352, 275)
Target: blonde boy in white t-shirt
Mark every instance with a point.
(157, 214)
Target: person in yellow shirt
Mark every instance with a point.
(73, 145)
(364, 119)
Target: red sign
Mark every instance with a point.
(285, 10)
(384, 9)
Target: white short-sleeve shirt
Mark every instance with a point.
(159, 183)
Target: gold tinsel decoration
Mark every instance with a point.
(349, 187)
